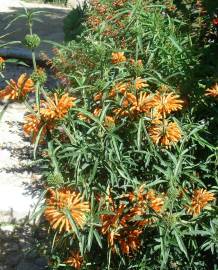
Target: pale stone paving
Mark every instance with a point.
(15, 171)
(17, 175)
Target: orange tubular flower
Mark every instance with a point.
(140, 83)
(130, 99)
(118, 57)
(94, 21)
(131, 242)
(54, 109)
(119, 88)
(154, 201)
(75, 260)
(109, 121)
(212, 92)
(166, 103)
(138, 62)
(59, 203)
(111, 220)
(144, 201)
(16, 91)
(2, 64)
(123, 228)
(98, 96)
(2, 60)
(165, 133)
(83, 117)
(113, 224)
(143, 104)
(33, 125)
(97, 112)
(200, 198)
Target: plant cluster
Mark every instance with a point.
(128, 141)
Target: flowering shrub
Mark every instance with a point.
(128, 147)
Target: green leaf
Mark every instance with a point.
(72, 222)
(90, 238)
(3, 110)
(98, 238)
(37, 141)
(180, 243)
(175, 44)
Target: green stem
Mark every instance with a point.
(33, 52)
(34, 60)
(3, 77)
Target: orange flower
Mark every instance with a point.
(98, 96)
(118, 57)
(54, 109)
(165, 133)
(109, 121)
(111, 220)
(130, 99)
(143, 104)
(144, 201)
(16, 91)
(83, 117)
(119, 3)
(97, 111)
(60, 205)
(120, 112)
(137, 195)
(2, 60)
(122, 226)
(166, 103)
(120, 88)
(140, 83)
(130, 242)
(75, 260)
(138, 62)
(33, 125)
(94, 21)
(154, 201)
(200, 198)
(212, 92)
(116, 227)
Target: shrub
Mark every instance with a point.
(63, 2)
(73, 23)
(129, 157)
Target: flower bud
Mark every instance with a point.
(31, 41)
(39, 75)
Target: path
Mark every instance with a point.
(15, 150)
(51, 27)
(17, 176)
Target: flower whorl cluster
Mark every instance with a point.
(61, 205)
(17, 91)
(51, 110)
(130, 214)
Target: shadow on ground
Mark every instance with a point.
(50, 26)
(18, 248)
